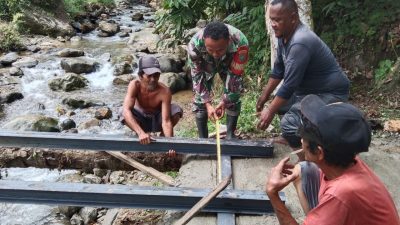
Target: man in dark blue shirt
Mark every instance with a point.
(305, 64)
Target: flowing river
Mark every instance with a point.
(40, 99)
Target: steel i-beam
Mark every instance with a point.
(243, 148)
(124, 196)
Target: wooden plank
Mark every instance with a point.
(151, 171)
(242, 148)
(203, 202)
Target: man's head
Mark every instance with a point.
(338, 129)
(216, 39)
(149, 71)
(284, 17)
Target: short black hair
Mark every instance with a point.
(335, 157)
(289, 5)
(216, 30)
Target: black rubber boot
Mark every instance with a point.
(202, 128)
(231, 122)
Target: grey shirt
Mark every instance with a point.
(307, 66)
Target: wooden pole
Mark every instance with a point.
(162, 177)
(204, 201)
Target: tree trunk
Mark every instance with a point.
(305, 13)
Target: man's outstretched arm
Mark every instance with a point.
(166, 114)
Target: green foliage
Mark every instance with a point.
(74, 7)
(251, 21)
(10, 7)
(347, 25)
(248, 16)
(173, 174)
(383, 70)
(9, 38)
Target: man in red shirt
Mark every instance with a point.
(334, 185)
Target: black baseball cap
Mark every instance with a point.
(149, 65)
(341, 126)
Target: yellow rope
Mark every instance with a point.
(218, 151)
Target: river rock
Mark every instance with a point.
(15, 71)
(75, 103)
(87, 27)
(109, 28)
(69, 82)
(76, 39)
(33, 123)
(25, 62)
(37, 21)
(76, 220)
(11, 97)
(137, 16)
(122, 68)
(79, 65)
(68, 211)
(103, 113)
(123, 79)
(8, 59)
(69, 52)
(117, 177)
(123, 34)
(67, 124)
(174, 81)
(91, 179)
(89, 124)
(33, 48)
(169, 64)
(88, 214)
(144, 41)
(392, 126)
(100, 172)
(71, 178)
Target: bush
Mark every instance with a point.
(75, 7)
(10, 7)
(9, 38)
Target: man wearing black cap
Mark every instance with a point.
(147, 105)
(334, 185)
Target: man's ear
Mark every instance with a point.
(294, 17)
(320, 153)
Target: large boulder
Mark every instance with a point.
(8, 59)
(137, 16)
(123, 79)
(28, 62)
(79, 65)
(109, 28)
(69, 82)
(144, 41)
(174, 81)
(37, 21)
(122, 68)
(168, 63)
(33, 123)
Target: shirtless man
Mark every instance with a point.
(147, 105)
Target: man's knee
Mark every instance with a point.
(310, 182)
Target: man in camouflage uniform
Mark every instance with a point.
(223, 49)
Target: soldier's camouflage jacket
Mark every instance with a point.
(230, 68)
